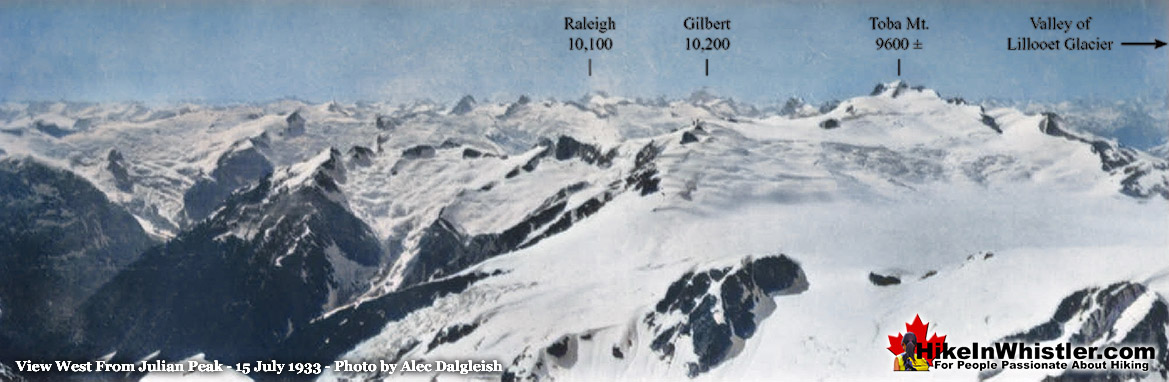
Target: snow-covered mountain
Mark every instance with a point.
(1160, 151)
(1121, 313)
(1139, 123)
(600, 238)
(271, 260)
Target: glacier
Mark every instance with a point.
(603, 238)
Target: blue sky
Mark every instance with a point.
(220, 51)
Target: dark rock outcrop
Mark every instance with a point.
(419, 152)
(515, 108)
(898, 88)
(1092, 316)
(444, 249)
(60, 239)
(740, 295)
(792, 106)
(384, 122)
(470, 153)
(330, 337)
(991, 123)
(536, 364)
(237, 284)
(451, 334)
(238, 168)
(829, 106)
(51, 129)
(568, 148)
(295, 124)
(360, 156)
(116, 165)
(644, 177)
(465, 105)
(1114, 159)
(883, 280)
(1111, 155)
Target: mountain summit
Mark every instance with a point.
(604, 238)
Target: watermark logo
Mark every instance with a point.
(913, 352)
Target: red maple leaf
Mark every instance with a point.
(920, 330)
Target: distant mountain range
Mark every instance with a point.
(601, 238)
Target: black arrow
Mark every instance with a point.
(1156, 43)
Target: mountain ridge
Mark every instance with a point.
(442, 226)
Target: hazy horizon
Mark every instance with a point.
(219, 52)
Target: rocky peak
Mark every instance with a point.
(465, 105)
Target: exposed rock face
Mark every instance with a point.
(792, 106)
(419, 152)
(444, 249)
(330, 337)
(883, 280)
(568, 148)
(830, 123)
(1111, 156)
(829, 106)
(1115, 159)
(465, 105)
(892, 89)
(384, 122)
(238, 283)
(515, 108)
(703, 319)
(991, 123)
(60, 239)
(235, 169)
(470, 153)
(644, 177)
(295, 123)
(1124, 313)
(716, 310)
(51, 129)
(360, 156)
(538, 364)
(451, 334)
(116, 165)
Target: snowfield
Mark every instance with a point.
(619, 239)
(837, 329)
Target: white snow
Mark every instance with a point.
(576, 283)
(908, 183)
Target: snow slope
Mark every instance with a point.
(908, 182)
(546, 234)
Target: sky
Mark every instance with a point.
(219, 51)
